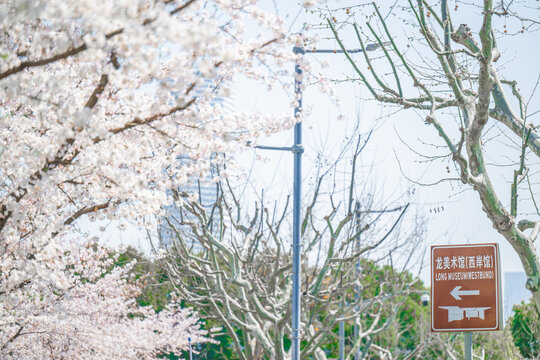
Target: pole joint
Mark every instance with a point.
(298, 50)
(297, 149)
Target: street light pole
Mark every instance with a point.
(341, 335)
(358, 271)
(298, 150)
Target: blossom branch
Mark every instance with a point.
(77, 49)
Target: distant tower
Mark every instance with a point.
(205, 191)
(514, 291)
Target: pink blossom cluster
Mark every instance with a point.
(98, 100)
(87, 310)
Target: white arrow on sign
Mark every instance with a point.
(457, 293)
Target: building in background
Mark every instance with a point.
(514, 291)
(207, 194)
(205, 190)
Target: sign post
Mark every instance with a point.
(465, 289)
(468, 345)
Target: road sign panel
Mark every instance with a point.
(465, 288)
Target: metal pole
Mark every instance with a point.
(358, 355)
(341, 338)
(468, 345)
(297, 150)
(190, 354)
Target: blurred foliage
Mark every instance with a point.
(488, 345)
(156, 292)
(525, 327)
(407, 332)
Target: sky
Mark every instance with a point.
(390, 163)
(453, 211)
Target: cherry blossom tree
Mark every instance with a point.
(89, 311)
(97, 101)
(100, 99)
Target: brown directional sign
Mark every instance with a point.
(465, 288)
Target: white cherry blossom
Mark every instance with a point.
(98, 99)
